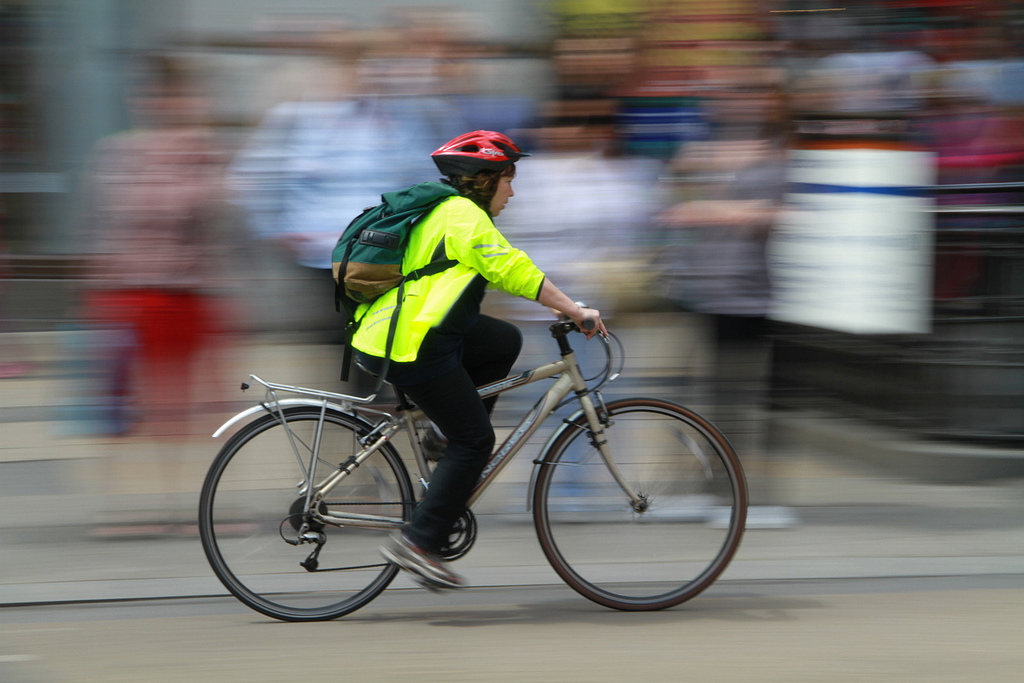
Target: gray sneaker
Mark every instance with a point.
(430, 570)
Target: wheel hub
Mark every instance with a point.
(297, 515)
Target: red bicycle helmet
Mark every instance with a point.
(473, 152)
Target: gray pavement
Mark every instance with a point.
(87, 517)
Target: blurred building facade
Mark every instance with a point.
(630, 79)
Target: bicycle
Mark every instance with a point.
(638, 504)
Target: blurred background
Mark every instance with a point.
(804, 220)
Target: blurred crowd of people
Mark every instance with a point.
(681, 227)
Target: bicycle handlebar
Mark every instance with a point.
(588, 324)
(565, 325)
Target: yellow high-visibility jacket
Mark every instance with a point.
(471, 239)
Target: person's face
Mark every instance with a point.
(501, 195)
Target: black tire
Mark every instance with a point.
(651, 558)
(251, 502)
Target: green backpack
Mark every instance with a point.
(367, 260)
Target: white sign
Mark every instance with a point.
(853, 251)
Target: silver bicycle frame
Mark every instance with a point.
(568, 378)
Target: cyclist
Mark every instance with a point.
(444, 347)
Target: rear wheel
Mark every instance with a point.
(252, 511)
(667, 548)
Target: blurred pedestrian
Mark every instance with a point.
(717, 263)
(155, 206)
(13, 354)
(315, 162)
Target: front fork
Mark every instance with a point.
(599, 420)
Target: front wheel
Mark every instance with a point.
(670, 544)
(252, 510)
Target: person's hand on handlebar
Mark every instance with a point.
(590, 322)
(587, 319)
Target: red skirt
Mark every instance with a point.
(168, 325)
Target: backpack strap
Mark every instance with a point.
(438, 265)
(351, 325)
(432, 268)
(343, 303)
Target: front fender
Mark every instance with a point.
(284, 403)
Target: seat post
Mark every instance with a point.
(403, 401)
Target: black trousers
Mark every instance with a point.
(491, 347)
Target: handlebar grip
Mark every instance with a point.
(589, 324)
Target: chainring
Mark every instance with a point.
(461, 538)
